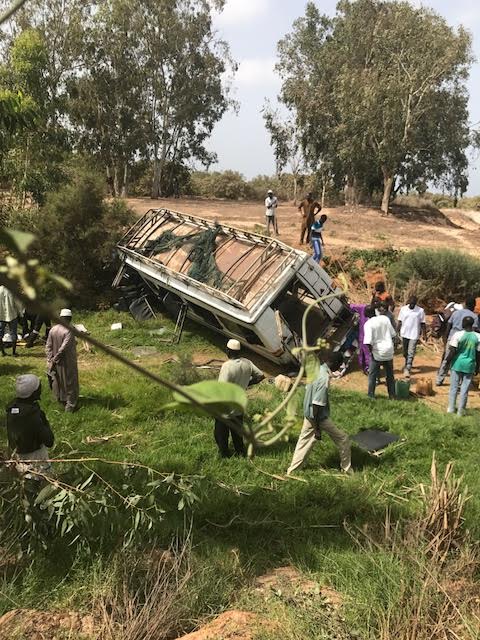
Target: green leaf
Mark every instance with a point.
(16, 240)
(217, 397)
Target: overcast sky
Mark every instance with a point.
(252, 28)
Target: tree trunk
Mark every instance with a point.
(295, 190)
(125, 180)
(116, 183)
(156, 178)
(388, 180)
(350, 191)
(324, 189)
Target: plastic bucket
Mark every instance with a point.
(402, 389)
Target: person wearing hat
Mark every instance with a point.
(28, 430)
(62, 367)
(271, 204)
(10, 310)
(239, 371)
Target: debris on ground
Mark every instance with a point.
(116, 326)
(283, 383)
(141, 352)
(100, 439)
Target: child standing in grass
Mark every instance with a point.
(464, 358)
(316, 238)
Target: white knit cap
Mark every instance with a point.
(26, 385)
(66, 313)
(233, 345)
(269, 191)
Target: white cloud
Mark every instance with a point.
(257, 72)
(242, 11)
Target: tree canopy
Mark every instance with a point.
(378, 93)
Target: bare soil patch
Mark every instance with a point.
(359, 227)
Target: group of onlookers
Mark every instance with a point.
(311, 227)
(379, 333)
(28, 430)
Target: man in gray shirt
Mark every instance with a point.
(454, 325)
(239, 371)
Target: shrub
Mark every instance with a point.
(230, 185)
(76, 235)
(437, 274)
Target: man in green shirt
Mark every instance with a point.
(464, 357)
(316, 412)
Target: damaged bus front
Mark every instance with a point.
(241, 284)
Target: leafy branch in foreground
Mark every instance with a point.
(81, 507)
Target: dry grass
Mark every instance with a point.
(438, 597)
(147, 602)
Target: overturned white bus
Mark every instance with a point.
(241, 284)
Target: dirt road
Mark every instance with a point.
(363, 228)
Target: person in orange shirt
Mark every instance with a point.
(477, 306)
(380, 294)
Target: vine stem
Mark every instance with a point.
(8, 13)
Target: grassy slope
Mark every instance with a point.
(271, 522)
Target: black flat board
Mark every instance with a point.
(374, 439)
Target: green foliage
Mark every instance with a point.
(76, 235)
(230, 185)
(220, 397)
(372, 101)
(441, 274)
(81, 509)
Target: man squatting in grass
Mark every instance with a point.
(464, 357)
(308, 208)
(454, 325)
(379, 336)
(316, 412)
(271, 204)
(28, 430)
(411, 322)
(242, 372)
(316, 238)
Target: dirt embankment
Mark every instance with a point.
(360, 227)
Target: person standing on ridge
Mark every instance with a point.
(271, 204)
(317, 239)
(308, 208)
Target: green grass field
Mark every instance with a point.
(246, 521)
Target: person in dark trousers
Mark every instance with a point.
(455, 324)
(34, 334)
(379, 336)
(242, 372)
(28, 430)
(411, 325)
(308, 208)
(464, 357)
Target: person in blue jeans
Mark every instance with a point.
(316, 238)
(464, 358)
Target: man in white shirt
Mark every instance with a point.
(271, 204)
(411, 323)
(378, 336)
